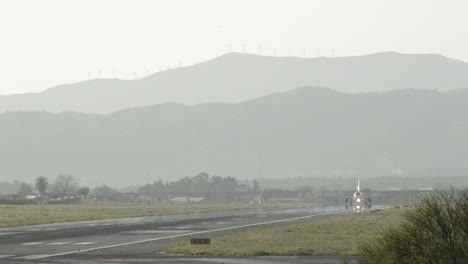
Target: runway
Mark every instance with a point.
(141, 240)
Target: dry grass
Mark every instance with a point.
(328, 236)
(22, 215)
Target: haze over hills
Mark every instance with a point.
(238, 77)
(310, 131)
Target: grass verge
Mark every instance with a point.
(22, 215)
(328, 236)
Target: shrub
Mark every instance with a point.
(435, 231)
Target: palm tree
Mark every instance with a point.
(41, 184)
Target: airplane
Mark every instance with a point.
(358, 203)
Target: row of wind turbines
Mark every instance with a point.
(259, 50)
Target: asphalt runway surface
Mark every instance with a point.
(142, 240)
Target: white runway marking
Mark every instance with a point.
(9, 233)
(221, 223)
(39, 256)
(183, 227)
(149, 232)
(32, 243)
(40, 229)
(6, 256)
(180, 235)
(58, 243)
(237, 219)
(85, 243)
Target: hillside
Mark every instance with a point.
(238, 77)
(310, 131)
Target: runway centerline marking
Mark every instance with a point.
(38, 256)
(32, 243)
(152, 232)
(59, 243)
(9, 233)
(176, 236)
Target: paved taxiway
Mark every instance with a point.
(141, 240)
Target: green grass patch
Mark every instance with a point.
(327, 236)
(22, 215)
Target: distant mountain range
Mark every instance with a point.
(310, 131)
(238, 77)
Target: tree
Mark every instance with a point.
(256, 187)
(223, 184)
(230, 184)
(105, 192)
(183, 185)
(435, 231)
(153, 190)
(84, 191)
(65, 185)
(201, 183)
(25, 189)
(42, 184)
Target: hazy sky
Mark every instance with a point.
(46, 43)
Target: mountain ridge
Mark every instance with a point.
(237, 77)
(307, 132)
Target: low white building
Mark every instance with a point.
(186, 199)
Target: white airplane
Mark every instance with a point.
(358, 203)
